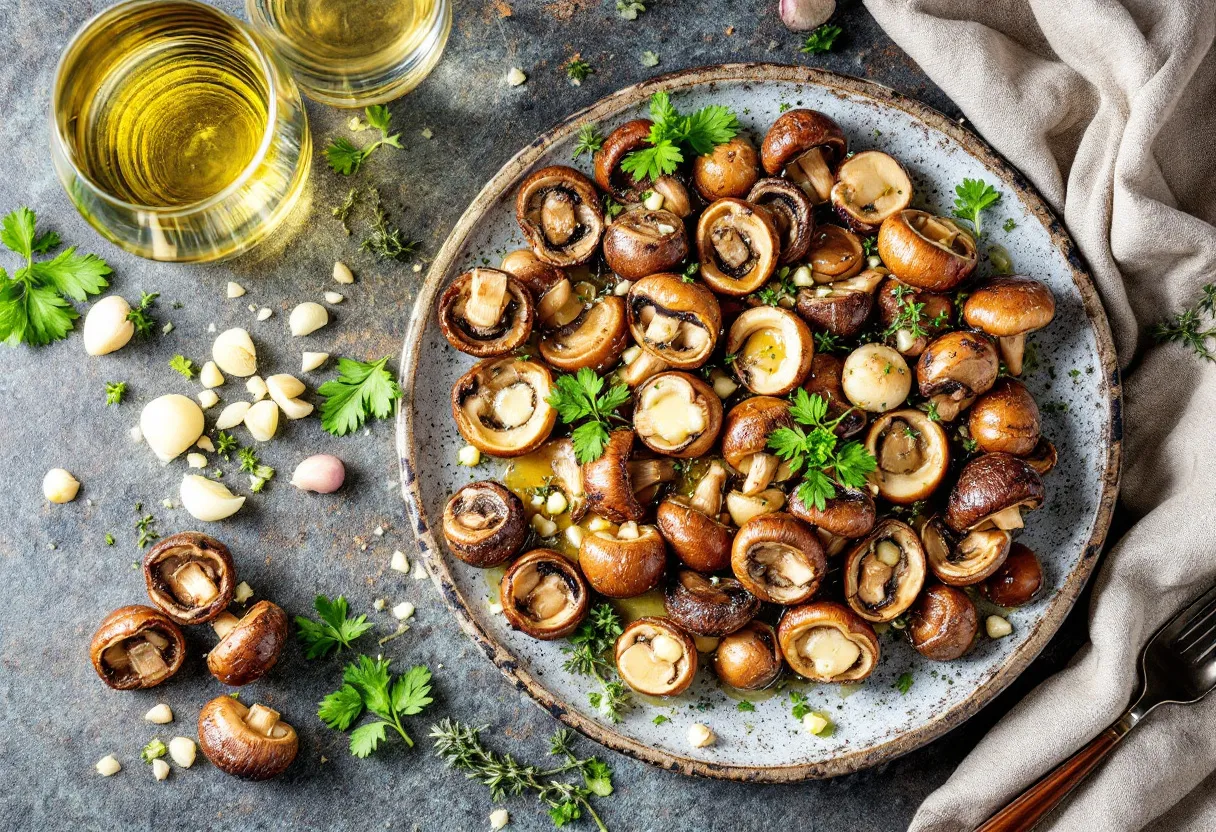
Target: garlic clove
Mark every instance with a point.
(284, 386)
(208, 399)
(320, 473)
(58, 486)
(196, 460)
(171, 424)
(313, 360)
(235, 290)
(262, 420)
(160, 769)
(232, 415)
(160, 714)
(210, 375)
(242, 593)
(256, 387)
(108, 765)
(106, 327)
(334, 297)
(234, 353)
(183, 750)
(204, 443)
(307, 318)
(295, 408)
(208, 500)
(342, 273)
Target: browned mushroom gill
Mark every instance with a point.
(543, 595)
(828, 642)
(190, 576)
(885, 572)
(484, 524)
(137, 647)
(805, 146)
(912, 453)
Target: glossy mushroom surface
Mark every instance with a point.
(501, 406)
(484, 524)
(876, 378)
(926, 251)
(773, 349)
(963, 560)
(885, 572)
(617, 485)
(1017, 580)
(624, 563)
(828, 642)
(738, 246)
(745, 435)
(778, 558)
(486, 312)
(850, 514)
(691, 525)
(792, 214)
(190, 576)
(1010, 308)
(630, 136)
(805, 146)
(870, 186)
(559, 212)
(729, 170)
(643, 242)
(842, 308)
(942, 623)
(992, 492)
(677, 414)
(1005, 419)
(595, 338)
(954, 369)
(912, 453)
(544, 595)
(655, 657)
(674, 320)
(835, 254)
(137, 647)
(708, 606)
(749, 658)
(248, 742)
(249, 646)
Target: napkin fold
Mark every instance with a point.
(1110, 109)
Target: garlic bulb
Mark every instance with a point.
(234, 353)
(171, 424)
(208, 500)
(106, 327)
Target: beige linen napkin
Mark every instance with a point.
(1110, 109)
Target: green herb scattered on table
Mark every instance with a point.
(973, 197)
(334, 631)
(146, 527)
(360, 390)
(140, 317)
(1192, 327)
(386, 240)
(629, 9)
(1009, 225)
(109, 538)
(812, 448)
(342, 212)
(649, 58)
(367, 685)
(345, 158)
(821, 40)
(582, 397)
(577, 70)
(673, 134)
(153, 750)
(589, 141)
(115, 390)
(660, 719)
(183, 366)
(592, 640)
(259, 474)
(225, 444)
(34, 302)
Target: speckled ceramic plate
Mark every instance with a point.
(1076, 383)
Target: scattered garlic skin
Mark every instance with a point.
(320, 473)
(208, 399)
(208, 500)
(183, 751)
(108, 765)
(210, 375)
(262, 420)
(106, 327)
(234, 353)
(160, 769)
(59, 486)
(313, 360)
(235, 290)
(232, 415)
(256, 387)
(171, 424)
(307, 318)
(161, 714)
(342, 273)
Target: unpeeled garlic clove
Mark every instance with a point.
(171, 424)
(59, 486)
(262, 420)
(234, 353)
(313, 360)
(208, 500)
(106, 327)
(805, 15)
(307, 318)
(320, 473)
(232, 415)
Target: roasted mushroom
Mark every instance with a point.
(544, 595)
(137, 647)
(912, 317)
(835, 254)
(624, 564)
(773, 349)
(778, 558)
(673, 195)
(486, 312)
(885, 572)
(847, 516)
(1010, 308)
(596, 337)
(249, 742)
(963, 560)
(559, 211)
(954, 369)
(824, 380)
(870, 186)
(630, 136)
(828, 642)
(749, 658)
(744, 507)
(655, 657)
(249, 646)
(690, 525)
(1043, 458)
(792, 214)
(992, 492)
(842, 308)
(677, 414)
(674, 320)
(942, 623)
(617, 486)
(912, 455)
(729, 170)
(190, 576)
(876, 378)
(638, 365)
(925, 251)
(805, 146)
(484, 524)
(738, 246)
(501, 406)
(557, 302)
(1005, 419)
(708, 606)
(1017, 580)
(641, 242)
(745, 435)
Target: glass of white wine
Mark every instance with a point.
(177, 133)
(352, 53)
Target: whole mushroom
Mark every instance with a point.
(729, 170)
(249, 646)
(137, 647)
(248, 742)
(749, 658)
(885, 572)
(1006, 419)
(708, 607)
(842, 308)
(624, 563)
(805, 146)
(544, 595)
(501, 406)
(942, 623)
(778, 558)
(484, 524)
(1009, 309)
(559, 211)
(738, 246)
(643, 242)
(870, 186)
(1017, 580)
(677, 414)
(655, 657)
(828, 642)
(925, 251)
(773, 349)
(676, 321)
(691, 525)
(992, 492)
(962, 560)
(486, 312)
(835, 254)
(745, 435)
(792, 214)
(630, 136)
(617, 485)
(190, 576)
(954, 369)
(912, 455)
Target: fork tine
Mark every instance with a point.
(1206, 607)
(1197, 638)
(1205, 653)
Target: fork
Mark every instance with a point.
(1178, 665)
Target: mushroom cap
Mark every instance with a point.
(136, 623)
(575, 192)
(525, 575)
(182, 563)
(900, 477)
(747, 224)
(966, 561)
(801, 622)
(692, 307)
(749, 425)
(729, 170)
(234, 747)
(870, 186)
(642, 242)
(1006, 419)
(792, 214)
(773, 551)
(672, 396)
(484, 524)
(959, 364)
(630, 136)
(842, 307)
(1017, 580)
(942, 623)
(825, 380)
(835, 254)
(623, 567)
(989, 484)
(252, 648)
(1008, 306)
(797, 131)
(851, 513)
(476, 402)
(708, 607)
(595, 339)
(649, 630)
(512, 329)
(894, 297)
(926, 251)
(700, 541)
(773, 349)
(607, 482)
(537, 275)
(908, 574)
(749, 658)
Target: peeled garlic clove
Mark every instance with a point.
(107, 766)
(307, 318)
(182, 750)
(313, 360)
(334, 297)
(262, 420)
(342, 273)
(210, 375)
(208, 399)
(208, 500)
(284, 386)
(235, 290)
(59, 486)
(295, 408)
(257, 388)
(234, 353)
(106, 327)
(320, 473)
(160, 769)
(171, 424)
(161, 714)
(232, 415)
(196, 460)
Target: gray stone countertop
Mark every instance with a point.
(60, 579)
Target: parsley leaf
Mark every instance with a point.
(115, 390)
(225, 443)
(368, 685)
(800, 706)
(582, 396)
(334, 631)
(671, 134)
(973, 196)
(745, 706)
(139, 317)
(812, 448)
(821, 40)
(341, 708)
(359, 391)
(903, 684)
(182, 365)
(660, 719)
(589, 141)
(345, 158)
(577, 69)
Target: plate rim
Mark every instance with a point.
(1111, 384)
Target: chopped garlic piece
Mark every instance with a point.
(399, 562)
(264, 313)
(204, 443)
(700, 736)
(210, 375)
(243, 592)
(182, 750)
(160, 769)
(196, 460)
(160, 714)
(997, 626)
(59, 486)
(815, 723)
(235, 290)
(208, 399)
(313, 360)
(107, 765)
(334, 297)
(469, 456)
(342, 273)
(499, 818)
(515, 76)
(378, 604)
(419, 571)
(403, 610)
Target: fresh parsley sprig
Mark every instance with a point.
(183, 366)
(589, 141)
(577, 69)
(591, 641)
(334, 631)
(821, 40)
(115, 390)
(251, 464)
(812, 448)
(673, 134)
(973, 196)
(345, 158)
(582, 397)
(34, 302)
(140, 317)
(1192, 327)
(367, 685)
(360, 390)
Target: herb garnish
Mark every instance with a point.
(589, 141)
(582, 396)
(673, 134)
(594, 637)
(359, 391)
(817, 453)
(345, 158)
(225, 443)
(139, 316)
(342, 212)
(974, 195)
(909, 314)
(259, 474)
(368, 685)
(779, 289)
(115, 390)
(1188, 326)
(903, 684)
(334, 631)
(660, 719)
(146, 526)
(386, 240)
(153, 750)
(827, 342)
(184, 366)
(1009, 225)
(577, 69)
(745, 706)
(34, 304)
(800, 706)
(821, 40)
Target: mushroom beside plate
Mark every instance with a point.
(874, 723)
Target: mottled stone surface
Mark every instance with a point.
(60, 579)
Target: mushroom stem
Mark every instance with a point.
(262, 719)
(707, 498)
(487, 298)
(641, 368)
(1012, 350)
(1007, 519)
(949, 407)
(811, 171)
(224, 624)
(190, 583)
(644, 473)
(760, 472)
(146, 660)
(662, 329)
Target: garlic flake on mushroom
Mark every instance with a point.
(208, 500)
